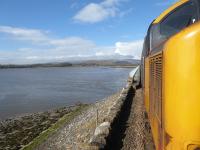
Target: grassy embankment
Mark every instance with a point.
(50, 131)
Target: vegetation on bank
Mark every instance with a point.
(55, 127)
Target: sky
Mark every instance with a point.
(40, 31)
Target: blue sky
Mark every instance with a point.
(33, 31)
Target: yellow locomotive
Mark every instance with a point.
(170, 77)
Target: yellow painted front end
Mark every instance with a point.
(181, 90)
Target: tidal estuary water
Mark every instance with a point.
(38, 89)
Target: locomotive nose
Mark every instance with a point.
(181, 92)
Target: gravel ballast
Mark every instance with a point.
(138, 134)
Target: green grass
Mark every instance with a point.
(51, 130)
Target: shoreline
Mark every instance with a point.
(72, 126)
(28, 131)
(18, 131)
(50, 110)
(73, 66)
(79, 125)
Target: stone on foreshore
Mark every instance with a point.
(100, 133)
(98, 141)
(102, 129)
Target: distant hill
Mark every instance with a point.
(111, 63)
(128, 62)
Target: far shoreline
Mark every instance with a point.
(73, 66)
(125, 63)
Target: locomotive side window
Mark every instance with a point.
(178, 20)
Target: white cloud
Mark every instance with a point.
(99, 54)
(96, 12)
(24, 34)
(133, 48)
(44, 48)
(40, 37)
(72, 43)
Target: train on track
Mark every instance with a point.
(170, 77)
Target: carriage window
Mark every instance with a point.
(178, 20)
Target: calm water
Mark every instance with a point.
(38, 89)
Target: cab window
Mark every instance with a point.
(174, 22)
(179, 19)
